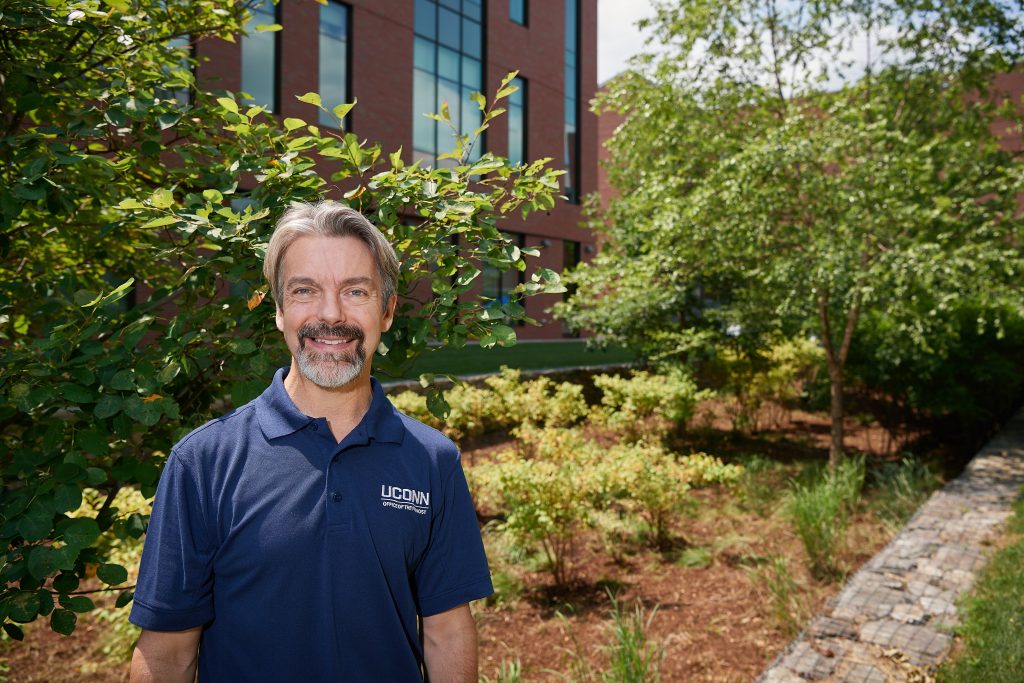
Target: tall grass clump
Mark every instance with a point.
(900, 488)
(783, 592)
(820, 511)
(633, 657)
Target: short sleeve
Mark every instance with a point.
(453, 570)
(174, 591)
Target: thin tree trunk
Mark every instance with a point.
(836, 365)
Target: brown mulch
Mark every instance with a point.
(712, 623)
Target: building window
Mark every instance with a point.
(333, 58)
(517, 122)
(498, 285)
(572, 89)
(517, 11)
(448, 66)
(259, 56)
(570, 259)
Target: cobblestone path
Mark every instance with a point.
(892, 623)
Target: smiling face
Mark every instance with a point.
(330, 308)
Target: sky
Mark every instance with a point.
(618, 38)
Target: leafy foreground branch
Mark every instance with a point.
(133, 221)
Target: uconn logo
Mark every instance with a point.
(404, 499)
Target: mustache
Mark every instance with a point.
(343, 330)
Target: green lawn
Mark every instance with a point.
(526, 355)
(993, 625)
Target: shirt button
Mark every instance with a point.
(335, 496)
(315, 426)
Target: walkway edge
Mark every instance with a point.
(894, 619)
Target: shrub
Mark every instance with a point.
(762, 385)
(628, 403)
(546, 501)
(539, 401)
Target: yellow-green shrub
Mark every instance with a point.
(763, 384)
(627, 403)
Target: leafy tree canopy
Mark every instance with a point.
(788, 167)
(135, 207)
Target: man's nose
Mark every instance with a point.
(332, 309)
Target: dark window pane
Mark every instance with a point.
(448, 63)
(423, 99)
(472, 9)
(423, 51)
(472, 73)
(472, 40)
(448, 28)
(426, 19)
(454, 4)
(333, 58)
(517, 11)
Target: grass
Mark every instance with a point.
(526, 355)
(632, 656)
(993, 625)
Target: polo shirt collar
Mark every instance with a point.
(279, 416)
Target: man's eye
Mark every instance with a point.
(302, 291)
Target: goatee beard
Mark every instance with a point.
(331, 369)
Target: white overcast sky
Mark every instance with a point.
(618, 38)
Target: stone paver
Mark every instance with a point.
(892, 622)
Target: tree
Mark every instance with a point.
(130, 300)
(766, 185)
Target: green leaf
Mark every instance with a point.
(14, 631)
(108, 406)
(505, 335)
(76, 393)
(437, 405)
(77, 603)
(143, 412)
(162, 198)
(309, 98)
(36, 525)
(112, 574)
(23, 607)
(213, 196)
(124, 598)
(95, 476)
(228, 104)
(131, 204)
(268, 28)
(342, 110)
(291, 124)
(65, 582)
(160, 222)
(43, 561)
(122, 381)
(81, 533)
(63, 621)
(95, 441)
(67, 498)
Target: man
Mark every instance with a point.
(303, 536)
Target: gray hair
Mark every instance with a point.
(329, 219)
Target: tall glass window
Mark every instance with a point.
(517, 11)
(259, 56)
(333, 58)
(448, 66)
(572, 90)
(517, 122)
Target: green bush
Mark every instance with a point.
(763, 385)
(628, 404)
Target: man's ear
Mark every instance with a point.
(389, 314)
(279, 317)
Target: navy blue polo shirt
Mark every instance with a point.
(305, 559)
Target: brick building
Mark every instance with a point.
(401, 58)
